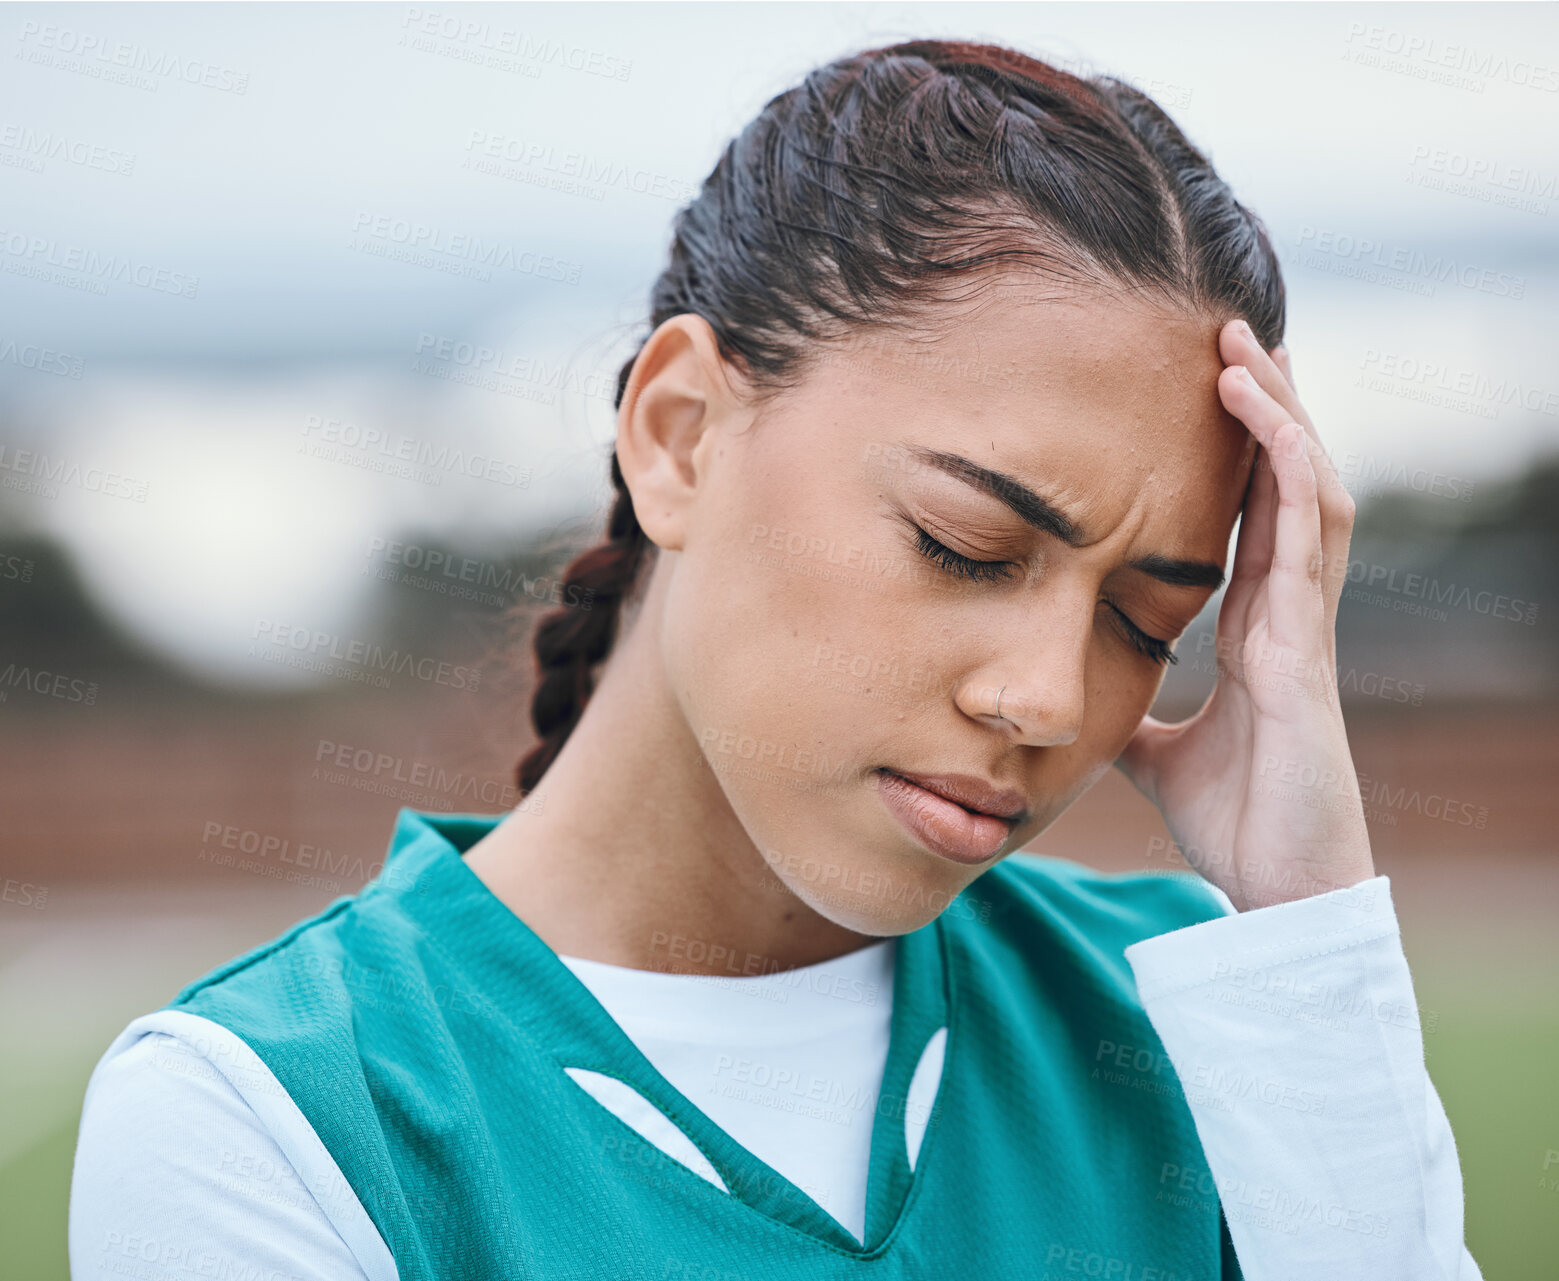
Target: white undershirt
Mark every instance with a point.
(189, 1147)
(789, 1065)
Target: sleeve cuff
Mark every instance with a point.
(1264, 937)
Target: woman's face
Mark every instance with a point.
(821, 648)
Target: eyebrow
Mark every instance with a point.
(1045, 515)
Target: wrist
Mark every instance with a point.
(1268, 886)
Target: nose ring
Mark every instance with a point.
(998, 703)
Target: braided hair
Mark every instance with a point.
(873, 191)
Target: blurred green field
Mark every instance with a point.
(1493, 1053)
(1494, 1058)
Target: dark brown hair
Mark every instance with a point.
(875, 189)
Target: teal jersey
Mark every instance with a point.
(423, 1030)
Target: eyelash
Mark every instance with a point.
(948, 559)
(1152, 647)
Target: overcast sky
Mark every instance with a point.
(262, 158)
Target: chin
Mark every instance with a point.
(893, 894)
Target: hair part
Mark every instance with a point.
(886, 185)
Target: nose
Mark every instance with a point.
(1042, 683)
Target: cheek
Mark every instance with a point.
(1117, 700)
(1121, 688)
(755, 613)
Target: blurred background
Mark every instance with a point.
(309, 323)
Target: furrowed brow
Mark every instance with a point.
(1044, 515)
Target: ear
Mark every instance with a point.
(681, 395)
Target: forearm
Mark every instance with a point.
(1295, 1032)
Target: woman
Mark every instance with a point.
(961, 372)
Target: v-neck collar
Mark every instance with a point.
(504, 955)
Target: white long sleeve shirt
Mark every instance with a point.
(1293, 1030)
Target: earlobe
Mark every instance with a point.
(676, 395)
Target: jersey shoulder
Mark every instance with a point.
(1149, 902)
(1042, 911)
(171, 1149)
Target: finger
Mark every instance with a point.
(1247, 400)
(1250, 403)
(1285, 362)
(1295, 591)
(1252, 549)
(1238, 346)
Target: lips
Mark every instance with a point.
(927, 806)
(970, 792)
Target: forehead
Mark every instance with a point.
(1092, 399)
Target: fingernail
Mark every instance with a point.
(1246, 330)
(1242, 373)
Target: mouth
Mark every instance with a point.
(954, 815)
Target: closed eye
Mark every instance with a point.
(954, 563)
(1154, 647)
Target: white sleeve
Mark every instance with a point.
(1294, 1030)
(192, 1156)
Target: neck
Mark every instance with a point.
(628, 852)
